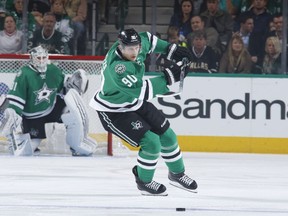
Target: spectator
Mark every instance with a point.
(272, 59)
(252, 41)
(77, 11)
(199, 6)
(38, 8)
(236, 58)
(213, 40)
(17, 13)
(63, 22)
(278, 25)
(220, 20)
(260, 16)
(173, 36)
(204, 58)
(273, 6)
(182, 19)
(48, 37)
(11, 39)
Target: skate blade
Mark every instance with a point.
(176, 184)
(145, 193)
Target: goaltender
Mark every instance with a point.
(41, 94)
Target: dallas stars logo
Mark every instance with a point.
(43, 94)
(137, 125)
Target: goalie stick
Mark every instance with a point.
(181, 81)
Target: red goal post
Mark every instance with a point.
(11, 63)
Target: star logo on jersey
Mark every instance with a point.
(44, 94)
(120, 68)
(137, 125)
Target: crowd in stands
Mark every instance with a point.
(225, 36)
(230, 36)
(57, 24)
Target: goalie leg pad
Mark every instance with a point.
(10, 122)
(20, 144)
(77, 124)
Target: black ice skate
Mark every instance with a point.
(182, 181)
(151, 188)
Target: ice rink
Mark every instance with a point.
(229, 184)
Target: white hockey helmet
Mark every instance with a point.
(39, 58)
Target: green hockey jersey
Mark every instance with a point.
(34, 94)
(123, 87)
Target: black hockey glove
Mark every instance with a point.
(177, 53)
(173, 70)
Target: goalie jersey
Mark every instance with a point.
(124, 88)
(34, 94)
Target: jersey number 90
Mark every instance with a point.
(129, 80)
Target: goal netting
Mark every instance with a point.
(55, 142)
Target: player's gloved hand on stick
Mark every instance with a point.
(177, 53)
(172, 70)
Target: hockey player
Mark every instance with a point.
(123, 107)
(36, 98)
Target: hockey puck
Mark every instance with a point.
(180, 209)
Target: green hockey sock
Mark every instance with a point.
(171, 152)
(148, 156)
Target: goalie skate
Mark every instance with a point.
(151, 188)
(183, 181)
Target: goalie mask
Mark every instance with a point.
(39, 58)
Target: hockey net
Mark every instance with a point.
(55, 142)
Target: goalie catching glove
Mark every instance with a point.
(172, 70)
(177, 53)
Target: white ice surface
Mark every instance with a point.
(229, 185)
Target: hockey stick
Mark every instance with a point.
(181, 81)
